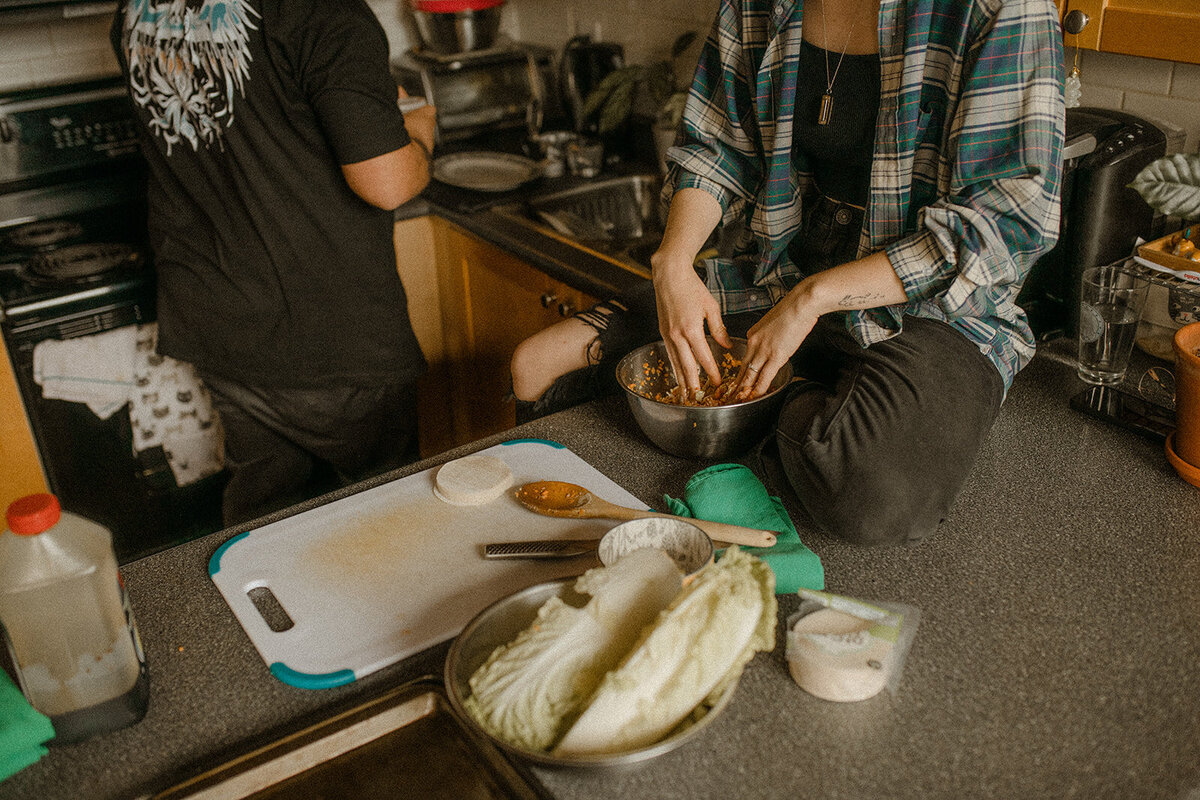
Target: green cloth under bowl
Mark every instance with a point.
(22, 730)
(732, 494)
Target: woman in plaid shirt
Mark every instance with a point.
(882, 176)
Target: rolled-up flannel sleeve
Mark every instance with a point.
(715, 149)
(976, 242)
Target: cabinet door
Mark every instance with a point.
(20, 467)
(492, 300)
(1164, 29)
(417, 263)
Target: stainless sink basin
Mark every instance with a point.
(617, 216)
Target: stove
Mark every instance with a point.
(75, 261)
(72, 203)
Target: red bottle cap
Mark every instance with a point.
(33, 514)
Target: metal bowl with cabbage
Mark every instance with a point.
(600, 671)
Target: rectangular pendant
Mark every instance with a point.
(826, 110)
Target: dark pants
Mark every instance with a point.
(284, 445)
(877, 444)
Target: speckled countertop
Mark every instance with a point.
(1058, 653)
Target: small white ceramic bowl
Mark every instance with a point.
(690, 547)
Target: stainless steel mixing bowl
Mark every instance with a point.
(696, 431)
(499, 624)
(450, 32)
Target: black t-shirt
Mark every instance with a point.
(271, 271)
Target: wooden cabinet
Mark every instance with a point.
(417, 263)
(471, 304)
(20, 467)
(1165, 29)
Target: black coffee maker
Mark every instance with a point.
(1102, 217)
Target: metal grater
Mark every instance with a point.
(556, 548)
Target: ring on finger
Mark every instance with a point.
(752, 368)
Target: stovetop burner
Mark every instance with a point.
(82, 263)
(43, 234)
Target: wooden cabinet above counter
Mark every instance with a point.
(1164, 29)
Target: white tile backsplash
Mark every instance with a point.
(645, 30)
(1146, 87)
(1124, 72)
(1186, 82)
(21, 42)
(15, 75)
(71, 36)
(39, 54)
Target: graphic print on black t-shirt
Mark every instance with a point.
(186, 63)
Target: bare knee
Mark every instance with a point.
(548, 355)
(529, 379)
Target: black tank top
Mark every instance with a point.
(839, 154)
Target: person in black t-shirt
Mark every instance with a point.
(277, 153)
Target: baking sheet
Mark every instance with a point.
(406, 743)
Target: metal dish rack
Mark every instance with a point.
(618, 208)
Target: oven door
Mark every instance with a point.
(90, 462)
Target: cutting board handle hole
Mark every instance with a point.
(271, 610)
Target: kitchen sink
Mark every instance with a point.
(617, 216)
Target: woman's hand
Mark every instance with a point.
(866, 283)
(774, 338)
(685, 305)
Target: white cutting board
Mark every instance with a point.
(381, 575)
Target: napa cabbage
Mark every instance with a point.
(695, 649)
(529, 690)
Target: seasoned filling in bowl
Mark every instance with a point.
(655, 373)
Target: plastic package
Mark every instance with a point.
(68, 623)
(843, 649)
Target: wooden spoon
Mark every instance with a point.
(561, 499)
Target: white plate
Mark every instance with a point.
(484, 171)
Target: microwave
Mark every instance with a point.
(481, 91)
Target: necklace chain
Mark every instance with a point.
(825, 112)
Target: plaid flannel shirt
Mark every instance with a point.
(968, 158)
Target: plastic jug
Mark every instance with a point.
(67, 621)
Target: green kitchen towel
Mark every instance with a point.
(22, 729)
(732, 494)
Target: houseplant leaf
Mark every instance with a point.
(682, 43)
(618, 107)
(1171, 185)
(599, 96)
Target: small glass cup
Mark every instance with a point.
(552, 147)
(1111, 300)
(585, 157)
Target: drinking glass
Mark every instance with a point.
(1111, 299)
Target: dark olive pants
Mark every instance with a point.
(286, 445)
(877, 446)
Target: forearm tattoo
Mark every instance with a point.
(868, 300)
